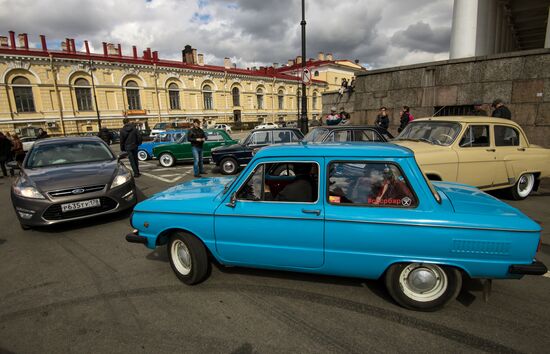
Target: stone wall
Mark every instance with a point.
(521, 79)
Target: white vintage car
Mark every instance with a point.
(489, 153)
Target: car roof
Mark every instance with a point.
(467, 119)
(75, 139)
(334, 127)
(345, 149)
(274, 129)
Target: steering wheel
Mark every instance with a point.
(447, 138)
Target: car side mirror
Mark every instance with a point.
(13, 165)
(232, 201)
(122, 155)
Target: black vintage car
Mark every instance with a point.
(230, 158)
(341, 133)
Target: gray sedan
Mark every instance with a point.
(65, 179)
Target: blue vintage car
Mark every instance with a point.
(357, 210)
(145, 150)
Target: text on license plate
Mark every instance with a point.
(80, 205)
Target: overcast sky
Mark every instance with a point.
(380, 33)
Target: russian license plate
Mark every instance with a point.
(80, 205)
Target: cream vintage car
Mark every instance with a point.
(489, 153)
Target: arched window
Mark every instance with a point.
(83, 94)
(260, 98)
(316, 73)
(236, 96)
(314, 101)
(207, 94)
(281, 99)
(22, 91)
(174, 96)
(132, 93)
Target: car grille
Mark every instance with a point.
(54, 212)
(79, 190)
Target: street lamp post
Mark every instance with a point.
(303, 118)
(95, 96)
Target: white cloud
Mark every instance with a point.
(252, 32)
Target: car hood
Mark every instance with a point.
(196, 196)
(419, 146)
(484, 209)
(229, 148)
(74, 175)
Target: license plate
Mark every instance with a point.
(80, 205)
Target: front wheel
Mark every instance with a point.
(167, 160)
(423, 286)
(228, 166)
(142, 155)
(523, 187)
(188, 258)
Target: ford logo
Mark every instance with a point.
(78, 191)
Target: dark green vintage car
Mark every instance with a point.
(169, 154)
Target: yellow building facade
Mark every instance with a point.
(64, 92)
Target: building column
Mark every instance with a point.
(464, 30)
(498, 27)
(491, 8)
(547, 39)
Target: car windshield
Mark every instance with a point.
(440, 133)
(64, 153)
(316, 135)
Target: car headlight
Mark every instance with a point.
(24, 188)
(122, 176)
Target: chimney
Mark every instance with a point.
(329, 57)
(226, 63)
(105, 49)
(145, 54)
(23, 40)
(149, 54)
(4, 41)
(200, 58)
(134, 51)
(321, 56)
(119, 49)
(43, 41)
(87, 46)
(290, 62)
(67, 45)
(12, 39)
(299, 59)
(155, 55)
(195, 57)
(73, 45)
(275, 65)
(64, 46)
(187, 55)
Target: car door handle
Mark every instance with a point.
(312, 211)
(521, 149)
(491, 150)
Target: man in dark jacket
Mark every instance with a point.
(501, 111)
(5, 151)
(197, 138)
(382, 120)
(130, 139)
(405, 118)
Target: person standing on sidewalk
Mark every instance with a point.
(5, 152)
(382, 119)
(130, 139)
(197, 138)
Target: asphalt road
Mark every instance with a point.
(82, 288)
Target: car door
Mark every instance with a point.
(365, 203)
(476, 156)
(260, 228)
(182, 149)
(213, 139)
(510, 154)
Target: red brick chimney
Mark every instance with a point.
(43, 41)
(12, 40)
(105, 53)
(87, 46)
(134, 51)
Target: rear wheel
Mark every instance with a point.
(166, 159)
(142, 155)
(228, 166)
(188, 258)
(423, 286)
(523, 187)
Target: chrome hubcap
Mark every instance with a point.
(142, 155)
(525, 185)
(423, 282)
(166, 160)
(181, 257)
(228, 166)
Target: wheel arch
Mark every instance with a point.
(164, 237)
(455, 265)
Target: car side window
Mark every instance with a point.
(340, 136)
(282, 136)
(476, 136)
(296, 182)
(294, 136)
(214, 136)
(261, 138)
(375, 184)
(506, 136)
(366, 135)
